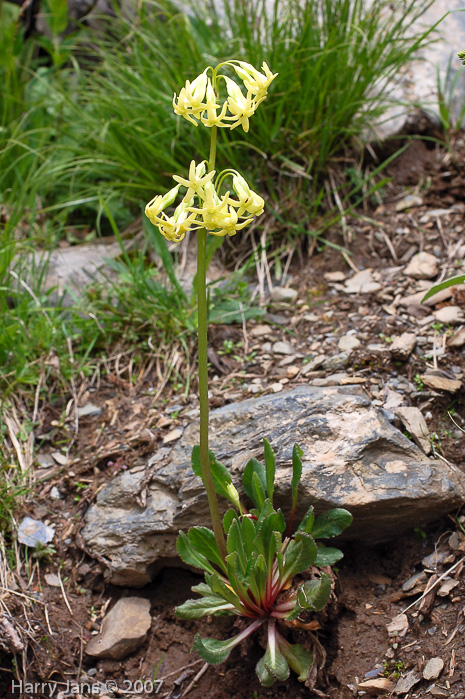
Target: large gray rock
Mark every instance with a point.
(353, 458)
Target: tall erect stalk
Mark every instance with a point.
(203, 370)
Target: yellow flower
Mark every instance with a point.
(248, 200)
(254, 81)
(242, 108)
(158, 203)
(212, 118)
(175, 227)
(197, 180)
(190, 103)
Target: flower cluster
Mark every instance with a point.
(219, 214)
(198, 100)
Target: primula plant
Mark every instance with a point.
(252, 557)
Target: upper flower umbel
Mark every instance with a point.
(198, 101)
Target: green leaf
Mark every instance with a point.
(221, 477)
(270, 469)
(203, 540)
(314, 594)
(254, 466)
(299, 555)
(263, 674)
(273, 660)
(213, 651)
(453, 281)
(300, 660)
(248, 532)
(220, 588)
(202, 589)
(229, 517)
(191, 556)
(258, 490)
(297, 453)
(197, 608)
(229, 310)
(258, 579)
(235, 544)
(331, 523)
(306, 524)
(327, 556)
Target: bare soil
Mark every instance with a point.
(54, 623)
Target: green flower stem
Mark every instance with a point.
(203, 371)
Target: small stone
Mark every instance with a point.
(172, 436)
(433, 669)
(406, 683)
(55, 493)
(124, 629)
(416, 424)
(439, 383)
(457, 339)
(398, 626)
(276, 387)
(333, 380)
(337, 361)
(403, 346)
(416, 299)
(362, 283)
(335, 276)
(409, 201)
(282, 348)
(60, 458)
(89, 410)
(45, 460)
(92, 671)
(313, 364)
(292, 371)
(417, 579)
(281, 294)
(393, 400)
(436, 691)
(446, 588)
(450, 315)
(423, 265)
(32, 532)
(375, 686)
(52, 579)
(457, 539)
(261, 330)
(348, 343)
(434, 559)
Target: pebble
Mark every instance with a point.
(440, 383)
(409, 201)
(60, 458)
(52, 579)
(457, 541)
(55, 493)
(446, 588)
(415, 580)
(406, 683)
(172, 436)
(276, 387)
(433, 669)
(415, 423)
(92, 671)
(280, 293)
(423, 265)
(348, 343)
(375, 686)
(89, 410)
(450, 315)
(457, 339)
(403, 346)
(333, 380)
(292, 371)
(362, 283)
(261, 330)
(32, 532)
(335, 276)
(313, 364)
(282, 348)
(337, 361)
(123, 630)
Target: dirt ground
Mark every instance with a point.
(374, 586)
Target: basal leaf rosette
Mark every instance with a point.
(204, 206)
(257, 578)
(198, 101)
